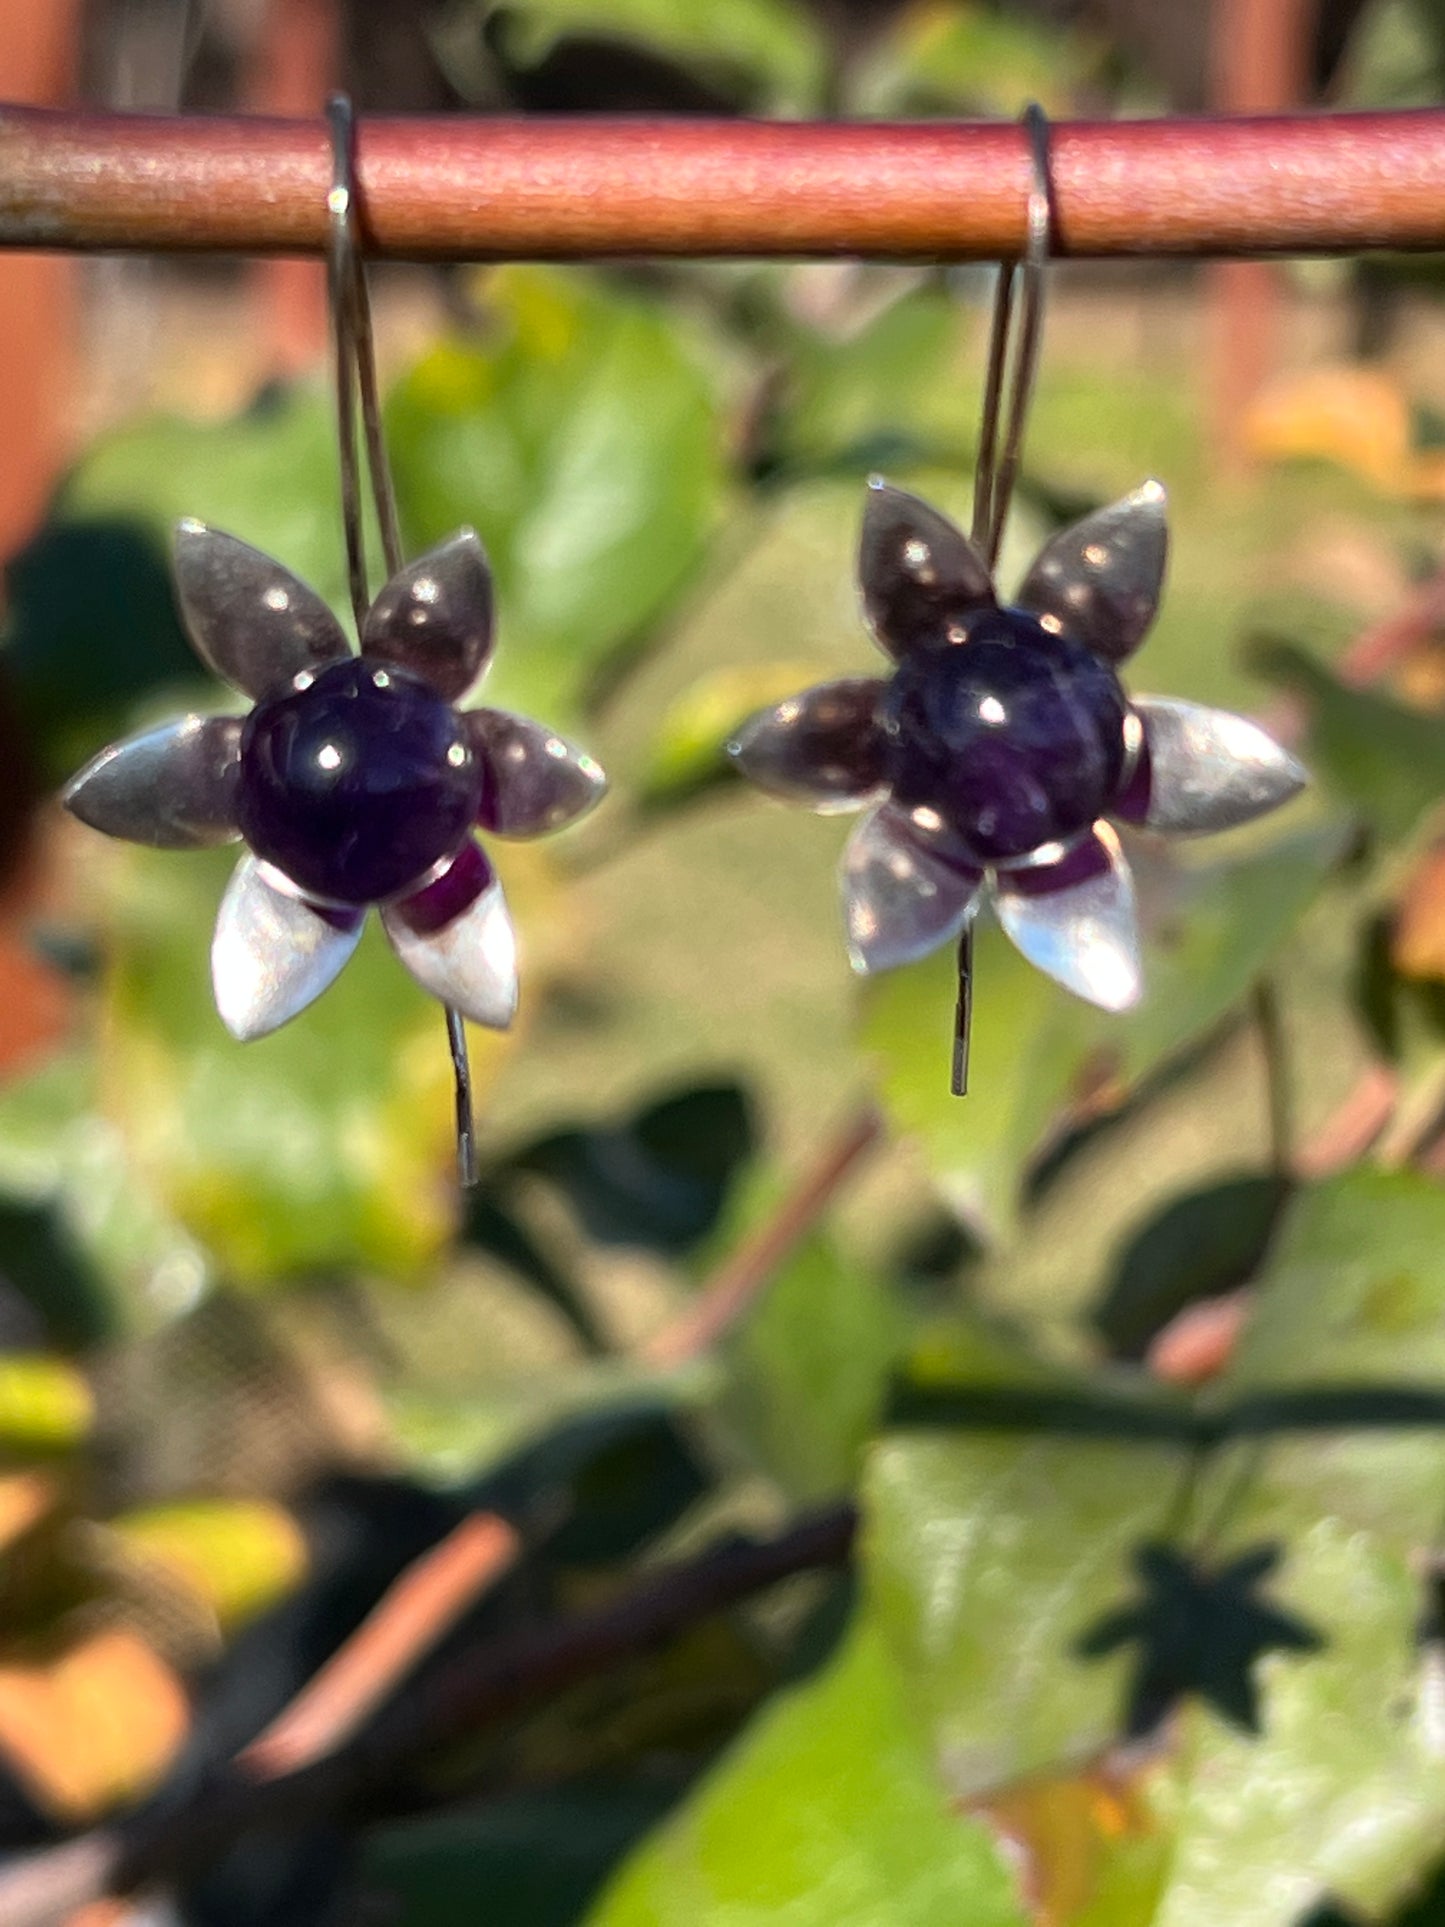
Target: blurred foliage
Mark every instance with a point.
(260, 1364)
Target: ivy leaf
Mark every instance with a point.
(593, 528)
(811, 1366)
(763, 37)
(828, 1814)
(326, 1145)
(658, 1180)
(688, 753)
(1211, 928)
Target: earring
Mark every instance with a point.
(355, 781)
(1002, 744)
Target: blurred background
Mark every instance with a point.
(257, 1356)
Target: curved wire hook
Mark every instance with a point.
(1013, 360)
(996, 474)
(355, 377)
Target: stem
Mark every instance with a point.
(1277, 1081)
(747, 1272)
(471, 189)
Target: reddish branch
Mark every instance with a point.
(745, 1274)
(505, 1678)
(472, 188)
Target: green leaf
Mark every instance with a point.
(325, 1145)
(811, 1365)
(537, 1857)
(1344, 1791)
(1354, 1287)
(1026, 1052)
(658, 1180)
(45, 1404)
(1353, 1296)
(828, 1814)
(42, 1260)
(1385, 761)
(765, 37)
(1210, 930)
(238, 1557)
(688, 754)
(1198, 1245)
(989, 1557)
(878, 397)
(585, 446)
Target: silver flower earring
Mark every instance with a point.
(1002, 744)
(354, 779)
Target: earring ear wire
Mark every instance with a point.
(354, 357)
(1015, 334)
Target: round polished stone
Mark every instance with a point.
(356, 785)
(1008, 740)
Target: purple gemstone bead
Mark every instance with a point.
(358, 784)
(1013, 737)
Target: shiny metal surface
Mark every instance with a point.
(821, 747)
(272, 954)
(900, 901)
(1086, 935)
(1099, 580)
(1209, 769)
(540, 780)
(916, 570)
(435, 616)
(470, 963)
(173, 788)
(251, 621)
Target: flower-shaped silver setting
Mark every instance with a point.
(355, 780)
(1002, 744)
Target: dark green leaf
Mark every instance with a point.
(1200, 1245)
(42, 1261)
(657, 1181)
(527, 1860)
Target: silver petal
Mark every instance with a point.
(467, 956)
(1075, 920)
(1209, 769)
(917, 571)
(273, 954)
(435, 616)
(900, 899)
(174, 787)
(821, 747)
(539, 781)
(252, 622)
(1099, 580)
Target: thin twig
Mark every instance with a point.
(747, 1271)
(472, 188)
(1278, 1084)
(405, 1624)
(498, 1681)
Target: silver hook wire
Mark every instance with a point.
(355, 378)
(1013, 360)
(996, 474)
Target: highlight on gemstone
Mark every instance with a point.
(1001, 748)
(354, 780)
